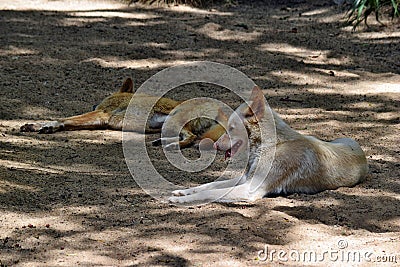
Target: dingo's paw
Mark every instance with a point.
(177, 200)
(43, 128)
(51, 127)
(173, 199)
(47, 130)
(183, 192)
(30, 127)
(177, 193)
(156, 142)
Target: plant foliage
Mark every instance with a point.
(361, 9)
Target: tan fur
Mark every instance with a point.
(302, 164)
(204, 125)
(110, 113)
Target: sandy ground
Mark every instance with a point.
(68, 199)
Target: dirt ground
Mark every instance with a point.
(68, 199)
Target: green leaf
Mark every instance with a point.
(395, 7)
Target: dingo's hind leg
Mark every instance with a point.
(88, 121)
(43, 127)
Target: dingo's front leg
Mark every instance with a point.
(186, 138)
(230, 194)
(213, 185)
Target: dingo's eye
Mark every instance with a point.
(231, 128)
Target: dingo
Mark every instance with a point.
(302, 164)
(109, 114)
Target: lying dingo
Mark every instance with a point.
(110, 113)
(301, 164)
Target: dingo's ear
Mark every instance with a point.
(257, 106)
(127, 87)
(221, 117)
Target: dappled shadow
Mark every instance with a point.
(352, 212)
